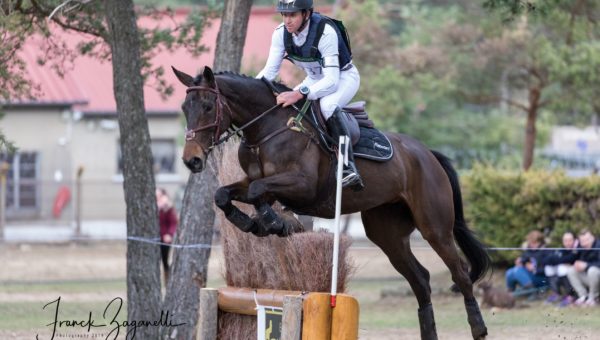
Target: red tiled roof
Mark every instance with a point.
(89, 81)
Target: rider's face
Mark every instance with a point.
(292, 21)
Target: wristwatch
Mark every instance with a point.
(304, 90)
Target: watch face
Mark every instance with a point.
(304, 90)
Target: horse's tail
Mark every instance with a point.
(473, 249)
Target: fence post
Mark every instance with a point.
(207, 321)
(3, 172)
(291, 328)
(344, 319)
(316, 324)
(78, 201)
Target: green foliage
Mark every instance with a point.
(511, 9)
(179, 3)
(503, 206)
(462, 80)
(20, 20)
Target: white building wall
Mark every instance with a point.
(65, 144)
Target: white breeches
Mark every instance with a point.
(347, 88)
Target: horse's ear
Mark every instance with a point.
(183, 77)
(208, 75)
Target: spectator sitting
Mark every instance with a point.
(556, 266)
(584, 275)
(528, 272)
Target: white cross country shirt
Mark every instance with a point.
(320, 80)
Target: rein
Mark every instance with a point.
(190, 134)
(294, 123)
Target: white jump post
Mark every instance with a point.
(342, 159)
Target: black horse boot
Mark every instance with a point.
(337, 127)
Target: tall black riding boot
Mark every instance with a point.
(337, 127)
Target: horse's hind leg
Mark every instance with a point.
(437, 228)
(389, 227)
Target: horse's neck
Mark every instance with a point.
(245, 107)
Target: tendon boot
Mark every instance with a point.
(337, 127)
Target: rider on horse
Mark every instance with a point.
(320, 47)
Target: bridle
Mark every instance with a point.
(190, 134)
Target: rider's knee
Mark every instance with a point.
(327, 109)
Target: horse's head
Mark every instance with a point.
(206, 115)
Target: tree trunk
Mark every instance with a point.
(189, 270)
(232, 35)
(143, 283)
(190, 265)
(530, 130)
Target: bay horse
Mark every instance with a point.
(417, 188)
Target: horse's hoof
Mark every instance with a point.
(257, 229)
(480, 334)
(291, 225)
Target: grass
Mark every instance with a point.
(382, 316)
(71, 286)
(400, 312)
(32, 315)
(29, 312)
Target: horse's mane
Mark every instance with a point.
(234, 75)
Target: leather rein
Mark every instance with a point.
(190, 134)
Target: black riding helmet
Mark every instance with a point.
(290, 6)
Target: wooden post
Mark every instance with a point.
(344, 320)
(291, 328)
(316, 324)
(3, 172)
(207, 322)
(78, 201)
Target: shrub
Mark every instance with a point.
(503, 206)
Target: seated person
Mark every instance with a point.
(584, 275)
(528, 272)
(556, 266)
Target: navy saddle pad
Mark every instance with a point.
(373, 145)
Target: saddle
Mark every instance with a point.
(367, 142)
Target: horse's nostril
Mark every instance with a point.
(194, 164)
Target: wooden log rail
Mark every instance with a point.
(306, 316)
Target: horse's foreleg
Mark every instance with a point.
(223, 199)
(294, 185)
(279, 185)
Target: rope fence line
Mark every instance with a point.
(156, 241)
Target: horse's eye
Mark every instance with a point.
(207, 107)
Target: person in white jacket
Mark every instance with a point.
(319, 46)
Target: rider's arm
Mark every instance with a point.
(276, 54)
(328, 46)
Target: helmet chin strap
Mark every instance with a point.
(304, 21)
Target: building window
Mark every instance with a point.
(163, 152)
(21, 182)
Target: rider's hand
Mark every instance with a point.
(167, 238)
(289, 98)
